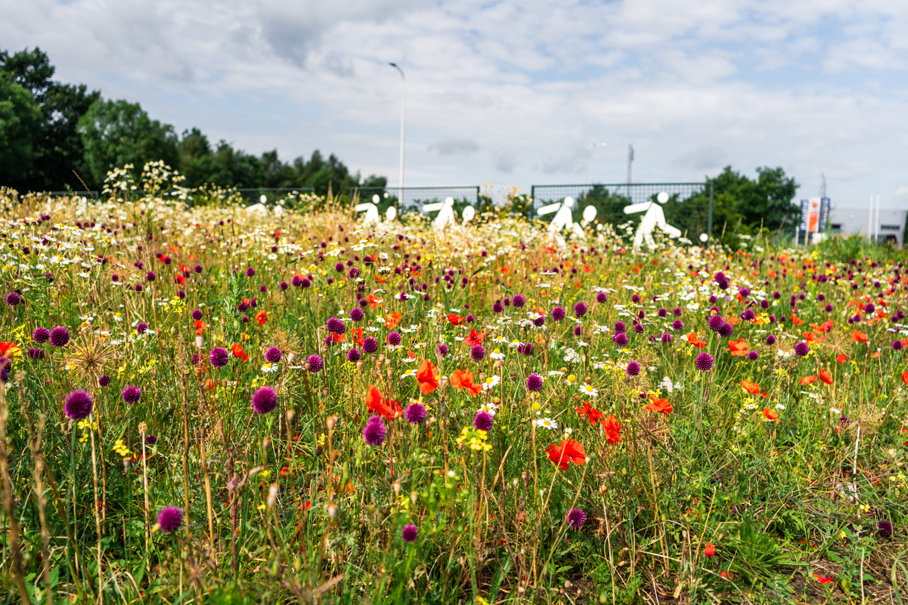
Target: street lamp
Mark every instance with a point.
(586, 167)
(403, 113)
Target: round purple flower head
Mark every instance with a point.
(620, 327)
(415, 413)
(677, 325)
(250, 272)
(170, 519)
(409, 533)
(336, 326)
(620, 339)
(897, 345)
(578, 330)
(633, 368)
(716, 322)
(353, 355)
(576, 518)
(151, 276)
(497, 307)
(315, 363)
(534, 382)
(103, 381)
(40, 335)
(370, 345)
(357, 314)
(704, 362)
(273, 355)
(141, 327)
(601, 298)
(78, 405)
(34, 353)
(519, 300)
(580, 310)
(770, 339)
(131, 394)
(885, 528)
(394, 339)
(13, 299)
(374, 433)
(666, 337)
(726, 330)
(802, 349)
(482, 421)
(264, 400)
(218, 357)
(477, 352)
(59, 336)
(197, 314)
(442, 350)
(558, 313)
(753, 356)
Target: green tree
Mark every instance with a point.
(20, 122)
(116, 133)
(58, 152)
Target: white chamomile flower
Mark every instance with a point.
(547, 423)
(490, 383)
(588, 390)
(496, 354)
(408, 373)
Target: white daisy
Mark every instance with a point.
(547, 423)
(588, 390)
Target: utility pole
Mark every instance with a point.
(403, 114)
(630, 160)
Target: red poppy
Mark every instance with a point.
(463, 379)
(9, 349)
(797, 321)
(357, 335)
(612, 429)
(567, 451)
(660, 406)
(592, 415)
(427, 376)
(261, 317)
(199, 327)
(770, 415)
(807, 380)
(822, 580)
(710, 550)
(694, 340)
(474, 338)
(841, 358)
(751, 387)
(239, 353)
(392, 319)
(825, 376)
(905, 377)
(738, 348)
(456, 320)
(388, 409)
(180, 280)
(374, 301)
(859, 337)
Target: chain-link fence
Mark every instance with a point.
(413, 198)
(689, 206)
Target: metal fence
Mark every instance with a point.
(689, 206)
(410, 198)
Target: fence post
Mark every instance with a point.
(709, 228)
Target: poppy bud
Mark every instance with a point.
(335, 454)
(396, 487)
(331, 422)
(290, 415)
(319, 451)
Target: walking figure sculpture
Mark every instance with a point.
(653, 218)
(562, 220)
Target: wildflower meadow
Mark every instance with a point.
(208, 402)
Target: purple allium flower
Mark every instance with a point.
(704, 362)
(197, 314)
(78, 405)
(13, 299)
(519, 300)
(638, 328)
(442, 350)
(828, 308)
(748, 315)
(576, 518)
(869, 308)
(218, 357)
(59, 336)
(726, 330)
(315, 363)
(601, 298)
(394, 339)
(138, 288)
(885, 528)
(633, 368)
(170, 519)
(339, 267)
(250, 272)
(242, 306)
(580, 310)
(716, 322)
(534, 382)
(477, 352)
(370, 345)
(353, 355)
(40, 335)
(141, 327)
(497, 307)
(195, 360)
(409, 533)
(263, 288)
(114, 278)
(198, 268)
(5, 365)
(273, 355)
(558, 313)
(802, 349)
(297, 281)
(770, 339)
(897, 345)
(666, 337)
(528, 348)
(620, 327)
(677, 325)
(662, 312)
(753, 356)
(374, 433)
(131, 394)
(482, 421)
(620, 339)
(635, 299)
(151, 276)
(677, 312)
(283, 285)
(151, 439)
(34, 353)
(578, 330)
(415, 413)
(356, 314)
(103, 381)
(336, 326)
(264, 400)
(471, 318)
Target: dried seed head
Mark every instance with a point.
(335, 454)
(396, 487)
(331, 423)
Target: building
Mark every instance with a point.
(854, 221)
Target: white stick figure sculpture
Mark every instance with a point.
(468, 214)
(653, 218)
(371, 209)
(445, 212)
(562, 220)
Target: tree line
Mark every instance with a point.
(56, 136)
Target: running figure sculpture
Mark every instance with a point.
(562, 220)
(653, 218)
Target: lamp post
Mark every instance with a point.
(403, 113)
(586, 167)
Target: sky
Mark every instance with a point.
(512, 93)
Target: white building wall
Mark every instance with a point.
(854, 221)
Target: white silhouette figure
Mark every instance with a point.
(468, 214)
(445, 212)
(563, 219)
(589, 215)
(653, 218)
(371, 209)
(390, 214)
